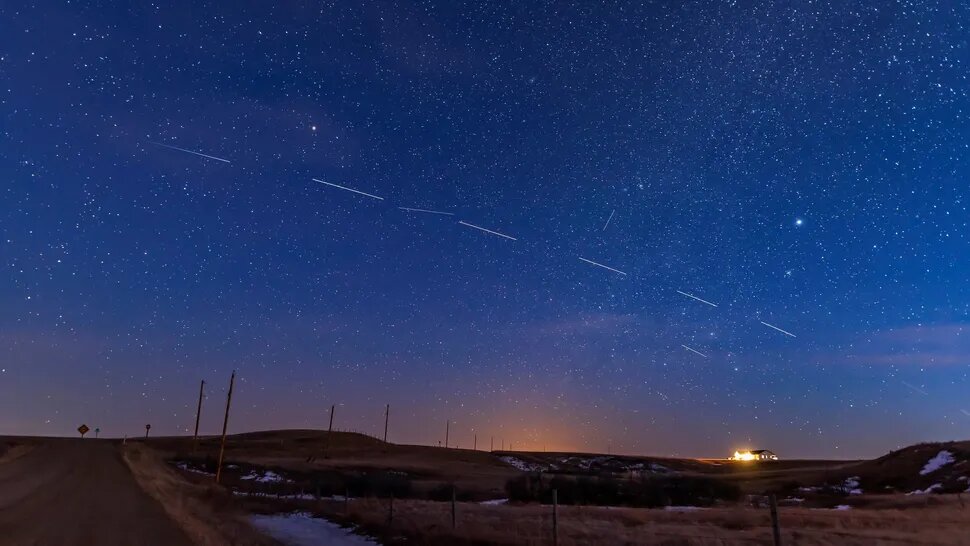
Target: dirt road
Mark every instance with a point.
(78, 492)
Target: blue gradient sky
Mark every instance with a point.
(803, 165)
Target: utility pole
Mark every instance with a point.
(225, 425)
(447, 429)
(387, 413)
(491, 444)
(475, 443)
(326, 444)
(198, 411)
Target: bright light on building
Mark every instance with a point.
(757, 455)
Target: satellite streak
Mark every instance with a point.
(965, 412)
(694, 351)
(601, 265)
(486, 230)
(409, 209)
(347, 189)
(917, 389)
(191, 152)
(608, 219)
(777, 328)
(696, 298)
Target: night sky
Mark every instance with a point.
(800, 164)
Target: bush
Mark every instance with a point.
(380, 484)
(442, 493)
(652, 491)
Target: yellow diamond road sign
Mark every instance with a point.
(83, 429)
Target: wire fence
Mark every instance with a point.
(558, 525)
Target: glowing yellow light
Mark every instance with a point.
(743, 456)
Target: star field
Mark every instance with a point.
(800, 170)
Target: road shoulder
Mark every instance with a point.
(203, 511)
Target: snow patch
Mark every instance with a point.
(292, 496)
(926, 491)
(187, 468)
(266, 477)
(302, 529)
(612, 463)
(842, 507)
(521, 465)
(942, 459)
(683, 508)
(495, 502)
(851, 486)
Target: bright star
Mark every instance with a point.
(799, 221)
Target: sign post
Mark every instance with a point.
(83, 429)
(97, 430)
(147, 428)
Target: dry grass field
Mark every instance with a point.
(808, 493)
(942, 522)
(915, 495)
(305, 451)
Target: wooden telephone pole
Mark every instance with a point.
(447, 429)
(225, 425)
(198, 411)
(387, 413)
(326, 444)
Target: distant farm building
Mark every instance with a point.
(755, 455)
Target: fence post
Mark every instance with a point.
(453, 520)
(390, 511)
(555, 517)
(775, 527)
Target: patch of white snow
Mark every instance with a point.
(926, 491)
(187, 468)
(301, 529)
(942, 459)
(266, 477)
(851, 485)
(521, 465)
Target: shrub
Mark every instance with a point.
(380, 484)
(652, 491)
(442, 493)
